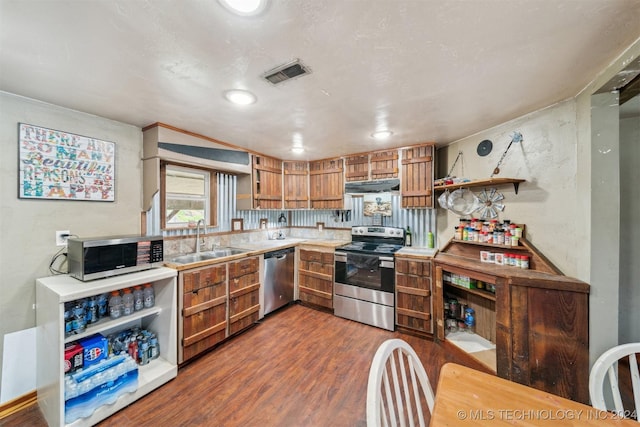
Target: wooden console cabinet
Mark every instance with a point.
(537, 317)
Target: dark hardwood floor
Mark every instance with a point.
(298, 367)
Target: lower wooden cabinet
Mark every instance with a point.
(216, 302)
(537, 318)
(413, 295)
(204, 310)
(244, 294)
(315, 277)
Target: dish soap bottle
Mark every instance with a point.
(407, 239)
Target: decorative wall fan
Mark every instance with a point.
(489, 203)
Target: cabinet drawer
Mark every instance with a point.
(415, 267)
(245, 266)
(203, 295)
(316, 256)
(198, 279)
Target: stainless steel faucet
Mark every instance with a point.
(200, 221)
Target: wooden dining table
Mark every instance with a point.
(467, 397)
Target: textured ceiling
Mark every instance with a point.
(428, 70)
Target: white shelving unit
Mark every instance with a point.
(51, 294)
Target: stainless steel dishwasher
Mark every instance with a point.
(278, 278)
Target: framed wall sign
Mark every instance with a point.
(60, 165)
(237, 224)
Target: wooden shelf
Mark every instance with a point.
(479, 292)
(481, 183)
(493, 246)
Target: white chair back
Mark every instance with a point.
(606, 367)
(398, 387)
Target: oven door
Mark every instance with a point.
(372, 271)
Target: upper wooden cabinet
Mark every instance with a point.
(267, 183)
(296, 184)
(326, 184)
(356, 168)
(417, 177)
(374, 166)
(384, 164)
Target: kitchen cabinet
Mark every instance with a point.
(413, 295)
(416, 189)
(203, 299)
(51, 295)
(315, 276)
(326, 184)
(373, 166)
(216, 301)
(295, 184)
(357, 167)
(384, 164)
(244, 294)
(537, 317)
(267, 183)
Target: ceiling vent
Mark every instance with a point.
(286, 72)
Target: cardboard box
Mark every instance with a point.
(73, 357)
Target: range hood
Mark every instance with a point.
(381, 186)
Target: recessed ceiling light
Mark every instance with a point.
(240, 97)
(244, 7)
(382, 134)
(297, 150)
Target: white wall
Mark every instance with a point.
(629, 230)
(28, 226)
(546, 159)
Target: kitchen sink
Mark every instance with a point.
(207, 255)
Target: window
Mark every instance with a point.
(188, 195)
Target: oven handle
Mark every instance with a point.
(385, 261)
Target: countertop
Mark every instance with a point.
(417, 252)
(259, 248)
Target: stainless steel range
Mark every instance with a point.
(365, 276)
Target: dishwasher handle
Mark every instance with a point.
(279, 255)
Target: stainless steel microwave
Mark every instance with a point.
(100, 257)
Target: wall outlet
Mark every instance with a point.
(61, 237)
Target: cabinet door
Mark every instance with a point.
(267, 183)
(326, 184)
(384, 164)
(244, 294)
(550, 340)
(296, 185)
(417, 177)
(357, 168)
(204, 309)
(315, 278)
(413, 295)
